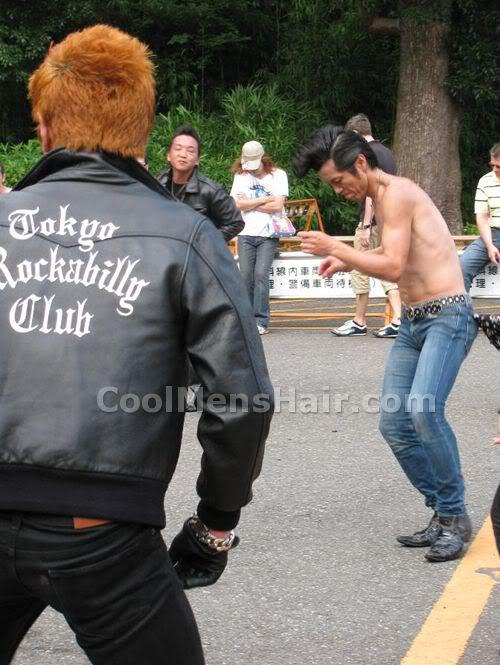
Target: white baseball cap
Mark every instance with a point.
(251, 156)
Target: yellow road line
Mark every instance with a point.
(443, 637)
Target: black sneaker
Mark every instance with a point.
(349, 329)
(424, 538)
(390, 331)
(455, 532)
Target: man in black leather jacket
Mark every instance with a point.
(186, 184)
(107, 286)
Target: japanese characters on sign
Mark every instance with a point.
(296, 275)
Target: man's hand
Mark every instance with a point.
(364, 238)
(493, 254)
(331, 265)
(316, 242)
(196, 564)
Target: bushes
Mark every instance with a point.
(18, 159)
(245, 113)
(259, 113)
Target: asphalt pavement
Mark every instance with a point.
(318, 577)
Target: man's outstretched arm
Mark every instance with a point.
(387, 261)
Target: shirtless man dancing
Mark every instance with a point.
(438, 328)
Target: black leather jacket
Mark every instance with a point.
(106, 286)
(209, 199)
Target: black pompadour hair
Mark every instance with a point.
(314, 152)
(347, 148)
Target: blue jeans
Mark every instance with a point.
(420, 373)
(475, 258)
(256, 256)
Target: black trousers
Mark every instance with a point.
(495, 517)
(113, 583)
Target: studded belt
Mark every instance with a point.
(433, 307)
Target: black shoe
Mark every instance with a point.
(424, 538)
(456, 530)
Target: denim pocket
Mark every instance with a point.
(107, 597)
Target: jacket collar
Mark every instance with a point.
(90, 164)
(192, 185)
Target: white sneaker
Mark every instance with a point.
(262, 330)
(349, 329)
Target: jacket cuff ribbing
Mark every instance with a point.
(217, 519)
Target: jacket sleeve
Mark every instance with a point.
(224, 213)
(227, 354)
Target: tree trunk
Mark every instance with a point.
(427, 120)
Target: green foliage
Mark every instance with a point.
(335, 63)
(269, 69)
(18, 159)
(473, 82)
(245, 113)
(200, 47)
(471, 230)
(259, 113)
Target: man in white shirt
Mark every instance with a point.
(487, 208)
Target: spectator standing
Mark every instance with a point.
(186, 184)
(485, 249)
(367, 237)
(259, 189)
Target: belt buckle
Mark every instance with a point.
(410, 313)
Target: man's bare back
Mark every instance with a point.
(432, 267)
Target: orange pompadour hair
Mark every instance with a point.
(95, 91)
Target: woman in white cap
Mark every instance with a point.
(259, 189)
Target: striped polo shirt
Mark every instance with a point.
(488, 198)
